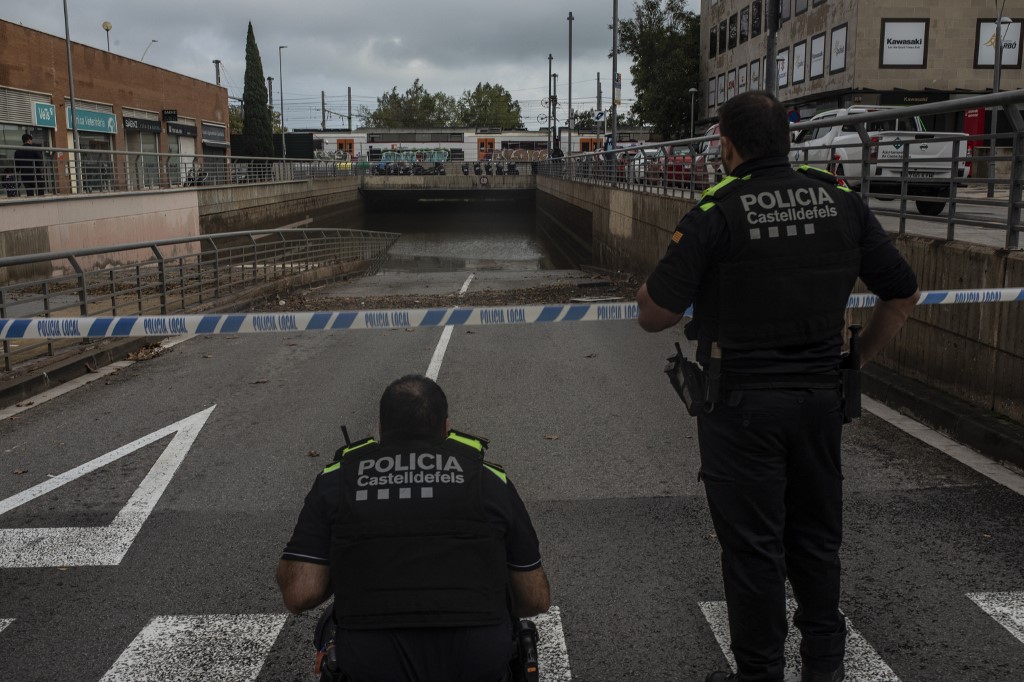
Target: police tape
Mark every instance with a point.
(346, 320)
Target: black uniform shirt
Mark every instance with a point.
(311, 540)
(704, 240)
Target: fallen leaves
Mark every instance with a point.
(312, 453)
(147, 353)
(19, 472)
(551, 437)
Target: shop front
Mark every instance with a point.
(97, 127)
(181, 145)
(24, 112)
(142, 135)
(215, 149)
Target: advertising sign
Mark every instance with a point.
(730, 85)
(985, 44)
(782, 61)
(711, 93)
(140, 125)
(741, 75)
(817, 66)
(44, 115)
(93, 121)
(837, 55)
(214, 134)
(904, 44)
(617, 90)
(799, 59)
(755, 75)
(181, 129)
(721, 88)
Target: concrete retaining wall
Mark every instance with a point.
(269, 205)
(974, 352)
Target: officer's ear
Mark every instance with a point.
(447, 426)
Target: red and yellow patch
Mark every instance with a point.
(676, 237)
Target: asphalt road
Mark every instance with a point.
(587, 427)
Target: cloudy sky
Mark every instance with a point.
(370, 46)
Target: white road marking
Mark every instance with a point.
(434, 368)
(552, 655)
(862, 663)
(983, 465)
(66, 387)
(1007, 608)
(98, 545)
(4, 622)
(198, 648)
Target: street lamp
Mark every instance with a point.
(143, 57)
(693, 95)
(280, 83)
(551, 137)
(996, 73)
(106, 27)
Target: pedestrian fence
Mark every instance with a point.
(975, 179)
(182, 274)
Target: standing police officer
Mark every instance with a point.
(769, 258)
(423, 545)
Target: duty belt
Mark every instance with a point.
(747, 382)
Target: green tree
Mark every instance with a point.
(415, 108)
(257, 128)
(663, 38)
(489, 106)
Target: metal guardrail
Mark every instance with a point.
(682, 168)
(182, 274)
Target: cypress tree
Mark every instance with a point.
(257, 130)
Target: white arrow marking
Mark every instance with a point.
(862, 663)
(1007, 608)
(552, 655)
(98, 545)
(198, 648)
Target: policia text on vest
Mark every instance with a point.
(782, 206)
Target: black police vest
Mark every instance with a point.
(412, 546)
(792, 266)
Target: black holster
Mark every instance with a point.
(688, 381)
(524, 667)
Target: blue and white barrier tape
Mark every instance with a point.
(257, 323)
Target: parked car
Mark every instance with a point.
(671, 166)
(708, 167)
(639, 164)
(893, 142)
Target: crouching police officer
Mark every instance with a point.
(423, 545)
(769, 258)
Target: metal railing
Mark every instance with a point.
(182, 274)
(906, 198)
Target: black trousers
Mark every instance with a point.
(770, 462)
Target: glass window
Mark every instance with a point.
(733, 31)
(722, 35)
(801, 6)
(744, 24)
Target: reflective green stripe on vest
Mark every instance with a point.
(356, 446)
(710, 191)
(814, 170)
(497, 472)
(333, 467)
(471, 442)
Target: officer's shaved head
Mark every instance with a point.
(757, 125)
(413, 408)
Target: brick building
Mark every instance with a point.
(121, 105)
(835, 53)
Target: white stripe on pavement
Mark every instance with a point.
(98, 545)
(198, 648)
(963, 454)
(552, 655)
(434, 368)
(4, 622)
(863, 664)
(1007, 608)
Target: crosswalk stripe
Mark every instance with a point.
(1007, 608)
(552, 654)
(196, 648)
(863, 664)
(4, 622)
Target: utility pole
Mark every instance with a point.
(568, 134)
(323, 111)
(599, 91)
(615, 71)
(551, 136)
(554, 108)
(350, 108)
(771, 66)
